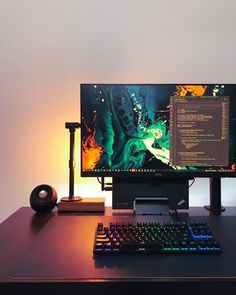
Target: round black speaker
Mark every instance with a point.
(43, 198)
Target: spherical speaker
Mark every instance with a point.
(43, 198)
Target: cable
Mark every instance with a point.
(192, 183)
(105, 186)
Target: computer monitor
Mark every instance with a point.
(152, 138)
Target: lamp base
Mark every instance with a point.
(71, 199)
(85, 205)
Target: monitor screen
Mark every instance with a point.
(158, 130)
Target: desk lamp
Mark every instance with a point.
(72, 126)
(75, 203)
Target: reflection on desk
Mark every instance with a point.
(55, 253)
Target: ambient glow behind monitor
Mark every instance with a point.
(158, 130)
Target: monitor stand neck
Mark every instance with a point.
(215, 196)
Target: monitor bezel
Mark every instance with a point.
(150, 174)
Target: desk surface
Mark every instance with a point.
(58, 248)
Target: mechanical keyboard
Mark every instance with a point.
(170, 237)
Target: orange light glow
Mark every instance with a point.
(91, 151)
(193, 90)
(233, 167)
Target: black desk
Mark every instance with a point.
(44, 254)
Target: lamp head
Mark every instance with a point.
(72, 125)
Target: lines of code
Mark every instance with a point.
(199, 131)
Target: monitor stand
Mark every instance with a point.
(215, 196)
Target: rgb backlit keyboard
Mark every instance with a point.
(172, 237)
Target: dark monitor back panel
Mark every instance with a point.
(64, 250)
(126, 190)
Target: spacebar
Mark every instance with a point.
(133, 247)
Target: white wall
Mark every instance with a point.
(49, 47)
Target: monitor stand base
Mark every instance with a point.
(216, 210)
